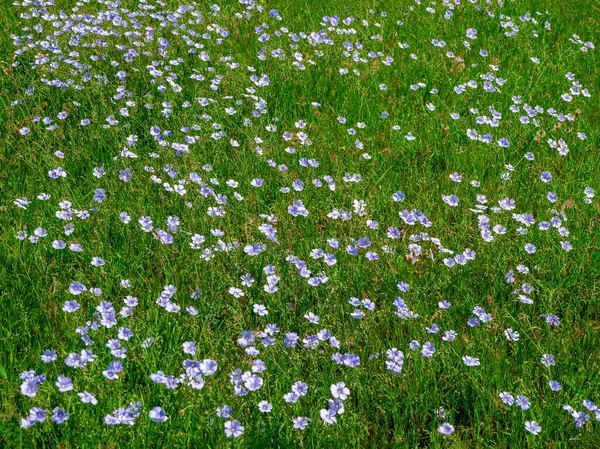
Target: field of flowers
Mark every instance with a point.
(298, 223)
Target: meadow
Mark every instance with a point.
(280, 224)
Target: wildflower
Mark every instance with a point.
(300, 422)
(554, 385)
(470, 361)
(339, 391)
(507, 398)
(157, 414)
(59, 416)
(446, 429)
(265, 406)
(533, 427)
(234, 428)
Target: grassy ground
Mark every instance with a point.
(383, 409)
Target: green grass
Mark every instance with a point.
(384, 409)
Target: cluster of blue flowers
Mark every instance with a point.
(70, 52)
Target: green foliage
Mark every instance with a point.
(383, 410)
